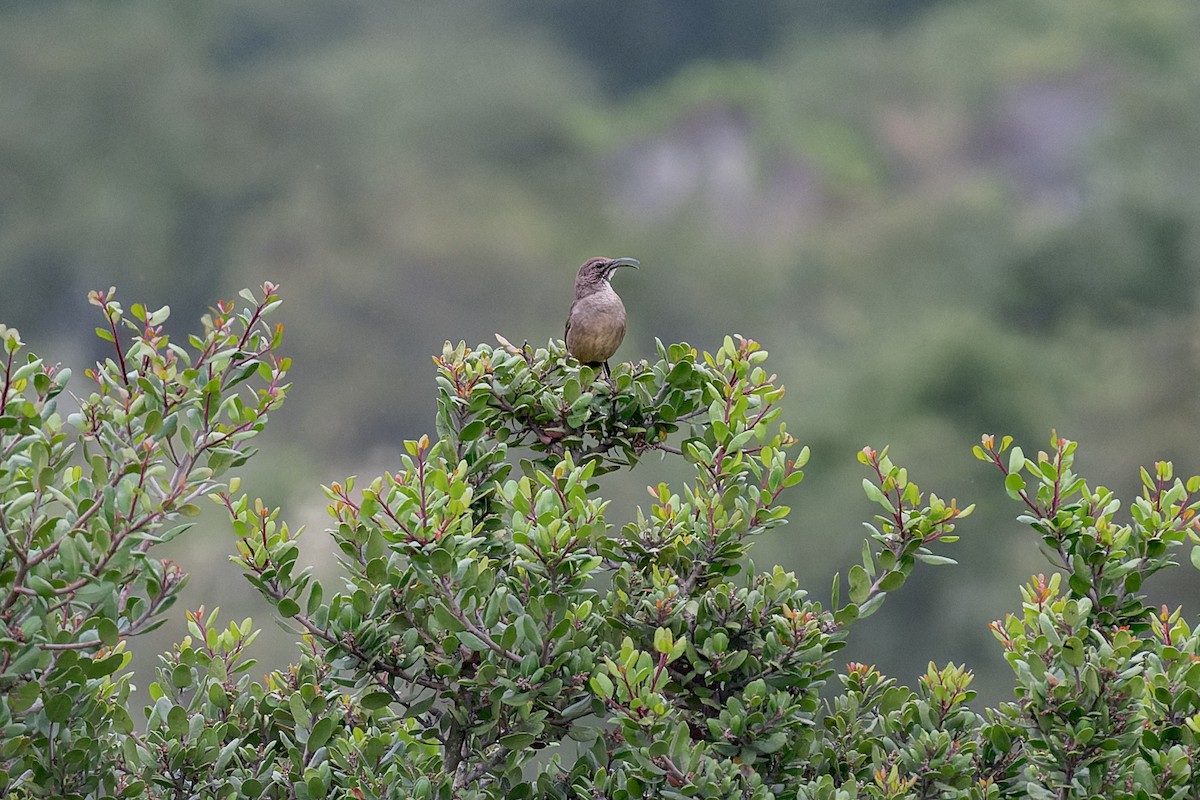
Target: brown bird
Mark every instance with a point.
(596, 323)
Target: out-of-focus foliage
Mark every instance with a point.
(941, 217)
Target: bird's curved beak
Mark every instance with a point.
(624, 262)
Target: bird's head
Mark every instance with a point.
(597, 270)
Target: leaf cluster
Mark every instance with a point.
(83, 501)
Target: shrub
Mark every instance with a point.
(495, 637)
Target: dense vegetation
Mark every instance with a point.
(493, 636)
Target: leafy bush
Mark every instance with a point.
(495, 637)
(82, 503)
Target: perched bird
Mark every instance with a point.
(596, 322)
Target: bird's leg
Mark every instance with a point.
(612, 387)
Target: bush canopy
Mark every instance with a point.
(494, 637)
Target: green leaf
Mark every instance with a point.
(771, 743)
(441, 561)
(860, 584)
(892, 581)
(934, 560)
(159, 316)
(1016, 461)
(876, 495)
(100, 667)
(528, 630)
(741, 440)
(177, 721)
(517, 741)
(23, 696)
(109, 635)
(1072, 650)
(121, 721)
(181, 676)
(321, 731)
(218, 696)
(58, 707)
(168, 535)
(288, 607)
(375, 700)
(369, 506)
(1000, 738)
(871, 606)
(226, 754)
(867, 561)
(602, 685)
(472, 642)
(314, 598)
(472, 431)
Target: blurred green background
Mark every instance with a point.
(943, 218)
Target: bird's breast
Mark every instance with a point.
(597, 326)
(603, 305)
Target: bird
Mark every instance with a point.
(596, 322)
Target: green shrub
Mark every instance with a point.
(495, 637)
